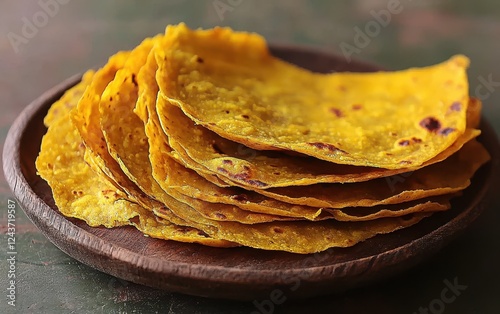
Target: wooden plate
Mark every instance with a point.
(238, 273)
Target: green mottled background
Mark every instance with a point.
(82, 34)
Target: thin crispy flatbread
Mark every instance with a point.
(229, 83)
(80, 193)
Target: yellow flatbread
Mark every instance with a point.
(229, 83)
(86, 118)
(203, 136)
(80, 193)
(297, 237)
(239, 165)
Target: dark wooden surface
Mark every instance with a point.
(238, 273)
(84, 33)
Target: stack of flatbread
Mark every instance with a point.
(204, 136)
